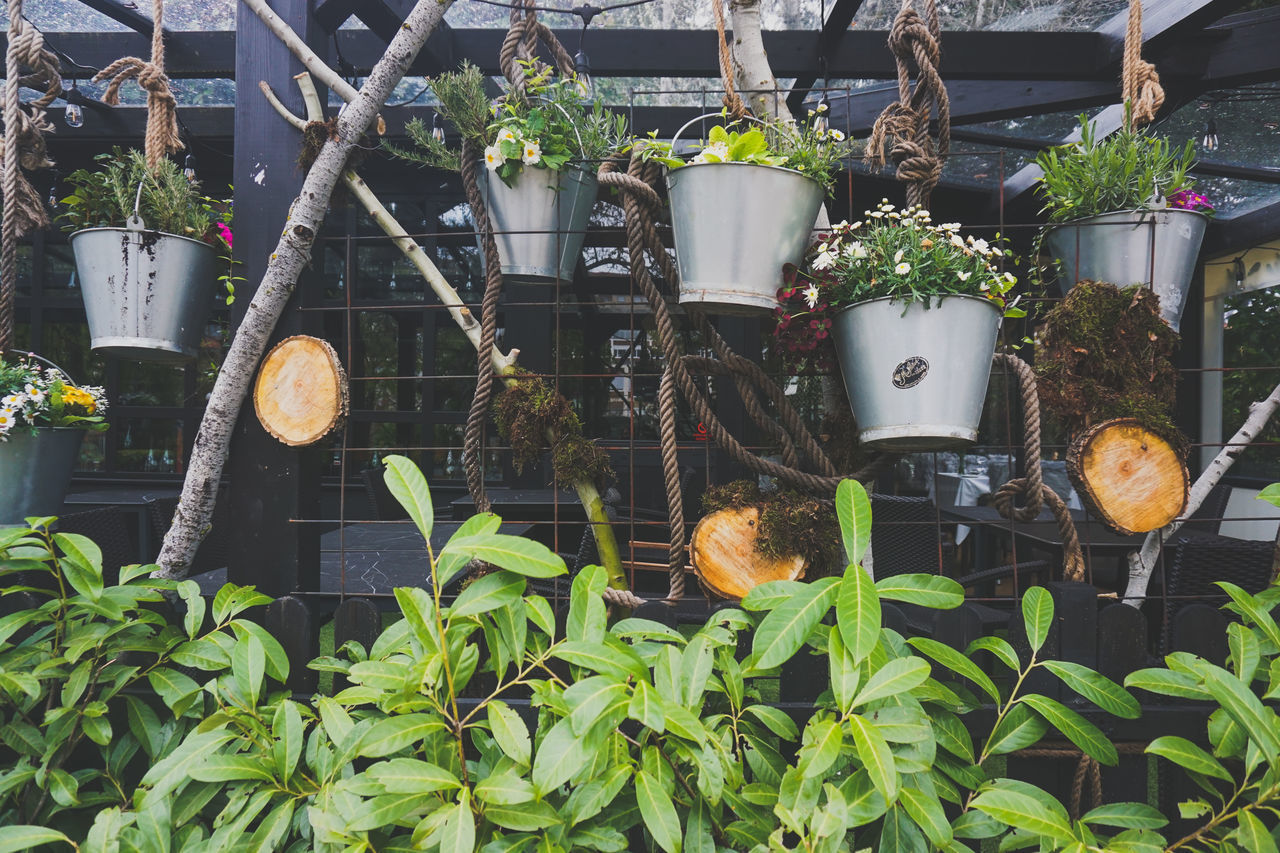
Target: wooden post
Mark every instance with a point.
(289, 620)
(270, 484)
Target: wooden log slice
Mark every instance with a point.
(725, 559)
(301, 392)
(1128, 476)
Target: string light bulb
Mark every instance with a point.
(53, 190)
(74, 114)
(437, 127)
(189, 168)
(582, 76)
(821, 123)
(1209, 142)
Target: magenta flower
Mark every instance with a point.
(1190, 200)
(225, 233)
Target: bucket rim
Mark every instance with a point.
(202, 243)
(795, 172)
(577, 167)
(942, 298)
(1140, 213)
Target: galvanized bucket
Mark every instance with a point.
(917, 378)
(147, 293)
(736, 225)
(540, 223)
(35, 471)
(1158, 248)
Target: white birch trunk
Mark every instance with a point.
(1143, 561)
(200, 487)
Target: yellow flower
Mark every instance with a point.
(72, 396)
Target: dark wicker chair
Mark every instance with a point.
(905, 537)
(1199, 561)
(1208, 518)
(109, 528)
(213, 549)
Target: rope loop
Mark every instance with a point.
(732, 100)
(901, 133)
(1139, 82)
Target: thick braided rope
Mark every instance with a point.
(901, 133)
(1031, 487)
(732, 100)
(521, 46)
(162, 115)
(1139, 82)
(671, 474)
(1087, 768)
(473, 436)
(641, 234)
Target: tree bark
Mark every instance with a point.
(752, 72)
(1142, 562)
(1128, 476)
(199, 489)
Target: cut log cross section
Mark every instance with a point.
(301, 392)
(725, 559)
(1128, 476)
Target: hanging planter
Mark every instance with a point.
(1158, 248)
(742, 209)
(148, 286)
(917, 375)
(43, 419)
(540, 222)
(913, 310)
(1122, 210)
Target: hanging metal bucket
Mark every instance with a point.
(147, 293)
(736, 225)
(1158, 248)
(917, 380)
(35, 471)
(541, 222)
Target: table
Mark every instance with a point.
(131, 500)
(950, 489)
(377, 556)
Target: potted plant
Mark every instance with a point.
(913, 309)
(43, 418)
(1122, 210)
(146, 245)
(745, 205)
(539, 181)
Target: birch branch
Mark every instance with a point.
(606, 543)
(293, 251)
(306, 55)
(1143, 561)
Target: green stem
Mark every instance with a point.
(606, 544)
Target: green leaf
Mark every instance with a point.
(277, 660)
(1271, 494)
(25, 837)
(782, 633)
(385, 811)
(248, 666)
(1253, 835)
(522, 817)
(561, 754)
(407, 485)
(658, 812)
(845, 673)
(957, 663)
(858, 612)
(1024, 812)
(853, 508)
(924, 590)
(594, 699)
(587, 614)
(927, 812)
(876, 757)
(510, 732)
(1167, 683)
(1076, 728)
(1246, 651)
(770, 594)
(602, 658)
(1126, 816)
(411, 776)
(1186, 754)
(1000, 648)
(513, 553)
(1098, 689)
(286, 728)
(229, 768)
(775, 719)
(1244, 707)
(1019, 729)
(504, 789)
(489, 592)
(1037, 615)
(897, 676)
(82, 566)
(823, 739)
(1245, 604)
(393, 734)
(646, 708)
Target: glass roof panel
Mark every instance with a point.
(1037, 15)
(67, 16)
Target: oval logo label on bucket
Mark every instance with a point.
(910, 373)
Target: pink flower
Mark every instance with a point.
(225, 233)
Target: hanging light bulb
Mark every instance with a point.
(821, 122)
(437, 127)
(1209, 142)
(74, 115)
(53, 190)
(189, 168)
(582, 76)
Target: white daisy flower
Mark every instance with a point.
(824, 261)
(493, 158)
(902, 268)
(532, 154)
(811, 296)
(836, 135)
(506, 135)
(897, 256)
(963, 276)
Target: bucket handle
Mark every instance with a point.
(44, 360)
(696, 119)
(135, 223)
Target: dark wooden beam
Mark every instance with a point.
(833, 30)
(384, 17)
(127, 15)
(331, 14)
(1166, 21)
(1244, 50)
(1245, 231)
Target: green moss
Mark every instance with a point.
(790, 523)
(1106, 353)
(529, 412)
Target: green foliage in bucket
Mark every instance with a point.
(572, 733)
